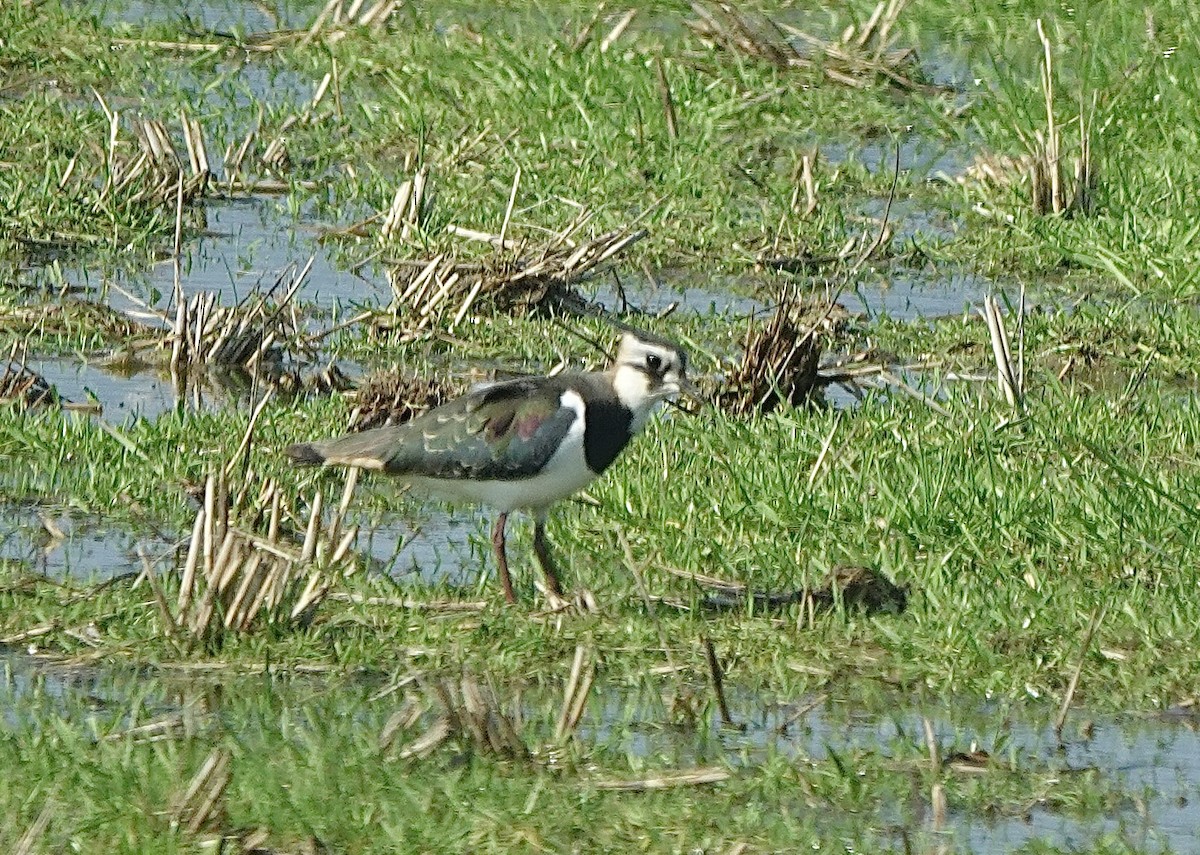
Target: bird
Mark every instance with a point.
(521, 444)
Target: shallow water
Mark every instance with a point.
(671, 291)
(1149, 767)
(248, 245)
(91, 548)
(432, 549)
(906, 295)
(119, 396)
(216, 15)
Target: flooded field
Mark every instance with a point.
(914, 572)
(1147, 768)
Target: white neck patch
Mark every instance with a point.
(632, 388)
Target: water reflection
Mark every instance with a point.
(1146, 770)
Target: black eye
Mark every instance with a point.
(654, 362)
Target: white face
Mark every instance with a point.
(646, 373)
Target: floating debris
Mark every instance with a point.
(781, 358)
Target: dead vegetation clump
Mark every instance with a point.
(472, 716)
(394, 397)
(1057, 183)
(443, 291)
(518, 277)
(24, 387)
(246, 565)
(255, 336)
(781, 358)
(67, 315)
(467, 713)
(153, 172)
(853, 587)
(859, 58)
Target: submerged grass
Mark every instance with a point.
(333, 747)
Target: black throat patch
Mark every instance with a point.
(605, 433)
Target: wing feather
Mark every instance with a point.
(504, 431)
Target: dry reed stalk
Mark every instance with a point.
(242, 454)
(402, 719)
(1043, 163)
(443, 291)
(584, 36)
(235, 158)
(201, 806)
(508, 210)
(233, 578)
(575, 695)
(1010, 375)
(802, 180)
(664, 92)
(410, 209)
(667, 780)
(154, 173)
(336, 19)
(1093, 624)
(448, 606)
(937, 808)
(717, 677)
(30, 841)
(617, 30)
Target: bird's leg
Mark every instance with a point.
(542, 549)
(498, 544)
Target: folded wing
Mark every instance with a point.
(506, 431)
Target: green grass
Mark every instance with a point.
(1008, 530)
(331, 778)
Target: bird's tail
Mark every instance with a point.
(305, 454)
(367, 450)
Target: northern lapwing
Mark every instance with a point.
(520, 444)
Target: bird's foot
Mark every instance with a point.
(582, 602)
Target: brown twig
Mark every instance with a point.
(717, 676)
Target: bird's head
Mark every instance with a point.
(647, 371)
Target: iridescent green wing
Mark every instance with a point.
(506, 431)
